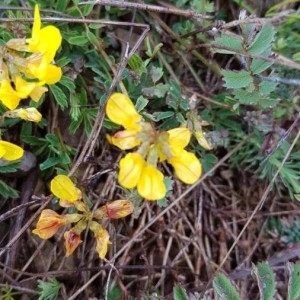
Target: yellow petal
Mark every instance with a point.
(126, 139)
(8, 95)
(179, 138)
(36, 22)
(187, 167)
(151, 184)
(114, 210)
(48, 224)
(28, 114)
(72, 240)
(2, 151)
(46, 40)
(131, 167)
(23, 87)
(63, 187)
(42, 70)
(120, 110)
(102, 238)
(53, 74)
(37, 93)
(49, 40)
(199, 135)
(10, 151)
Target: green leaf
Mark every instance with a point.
(141, 103)
(65, 158)
(208, 161)
(61, 5)
(266, 280)
(59, 96)
(180, 118)
(246, 98)
(75, 111)
(224, 288)
(266, 87)
(9, 167)
(297, 197)
(135, 62)
(296, 56)
(77, 40)
(294, 281)
(52, 139)
(259, 65)
(63, 61)
(262, 40)
(87, 9)
(267, 103)
(92, 38)
(236, 79)
(49, 290)
(156, 74)
(49, 162)
(8, 192)
(158, 90)
(160, 115)
(68, 83)
(233, 42)
(179, 293)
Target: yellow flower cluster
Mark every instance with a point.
(70, 196)
(25, 67)
(26, 64)
(139, 169)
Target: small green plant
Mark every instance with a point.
(7, 293)
(49, 290)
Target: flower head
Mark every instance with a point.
(23, 75)
(139, 169)
(50, 221)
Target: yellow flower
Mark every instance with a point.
(72, 240)
(139, 169)
(114, 210)
(10, 151)
(135, 172)
(50, 221)
(102, 238)
(63, 187)
(121, 111)
(45, 40)
(187, 166)
(38, 67)
(28, 114)
(48, 224)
